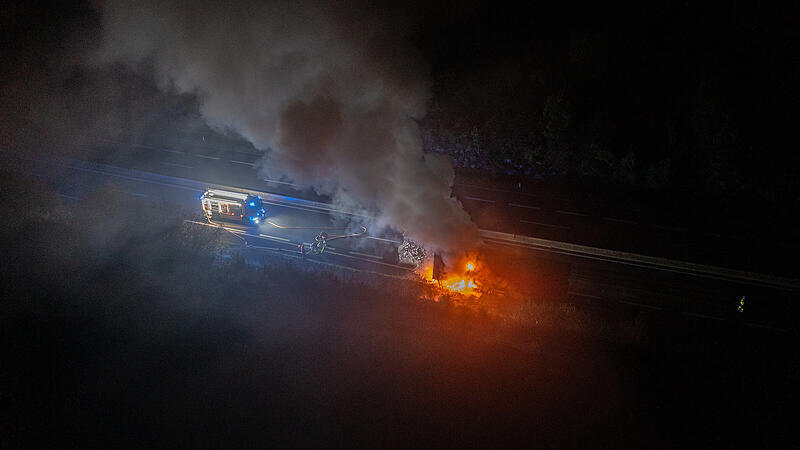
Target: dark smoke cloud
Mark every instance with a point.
(331, 89)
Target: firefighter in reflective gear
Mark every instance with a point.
(320, 241)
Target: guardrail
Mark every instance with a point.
(643, 260)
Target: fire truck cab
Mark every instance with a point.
(233, 206)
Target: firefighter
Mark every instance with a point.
(320, 241)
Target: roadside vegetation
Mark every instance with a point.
(124, 325)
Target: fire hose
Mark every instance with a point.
(330, 238)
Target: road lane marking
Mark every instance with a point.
(364, 254)
(177, 165)
(274, 237)
(173, 151)
(68, 196)
(140, 180)
(614, 219)
(571, 213)
(642, 305)
(136, 194)
(312, 209)
(373, 261)
(241, 162)
(478, 199)
(261, 247)
(207, 157)
(371, 272)
(645, 262)
(282, 182)
(702, 316)
(545, 224)
(524, 206)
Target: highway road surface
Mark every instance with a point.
(623, 226)
(590, 275)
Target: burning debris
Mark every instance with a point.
(462, 278)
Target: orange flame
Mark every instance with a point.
(463, 283)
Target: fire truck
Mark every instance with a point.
(233, 206)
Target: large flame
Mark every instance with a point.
(462, 281)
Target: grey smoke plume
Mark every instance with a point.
(332, 89)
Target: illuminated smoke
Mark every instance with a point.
(332, 90)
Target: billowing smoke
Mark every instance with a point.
(332, 90)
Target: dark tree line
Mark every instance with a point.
(699, 98)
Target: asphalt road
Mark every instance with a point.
(624, 226)
(587, 277)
